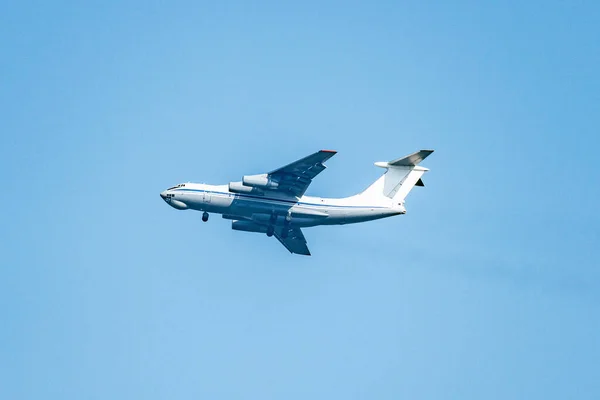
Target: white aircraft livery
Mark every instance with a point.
(274, 203)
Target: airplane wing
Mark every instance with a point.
(295, 178)
(294, 241)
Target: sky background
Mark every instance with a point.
(489, 287)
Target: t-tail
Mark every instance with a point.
(400, 177)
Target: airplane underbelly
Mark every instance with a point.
(220, 201)
(276, 213)
(249, 207)
(210, 202)
(344, 216)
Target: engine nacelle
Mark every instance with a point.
(238, 187)
(260, 181)
(248, 226)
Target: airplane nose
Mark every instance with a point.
(163, 195)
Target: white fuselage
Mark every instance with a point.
(277, 210)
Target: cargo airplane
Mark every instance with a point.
(274, 203)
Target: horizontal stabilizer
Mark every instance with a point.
(411, 160)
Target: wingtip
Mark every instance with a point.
(329, 151)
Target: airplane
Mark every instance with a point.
(274, 203)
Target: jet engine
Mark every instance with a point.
(248, 226)
(238, 187)
(260, 181)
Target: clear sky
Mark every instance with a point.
(488, 288)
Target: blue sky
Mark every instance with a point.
(487, 288)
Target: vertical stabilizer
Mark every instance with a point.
(400, 177)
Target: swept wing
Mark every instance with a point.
(294, 241)
(295, 178)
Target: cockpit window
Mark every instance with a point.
(178, 186)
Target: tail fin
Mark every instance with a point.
(401, 176)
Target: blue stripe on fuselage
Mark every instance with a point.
(289, 202)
